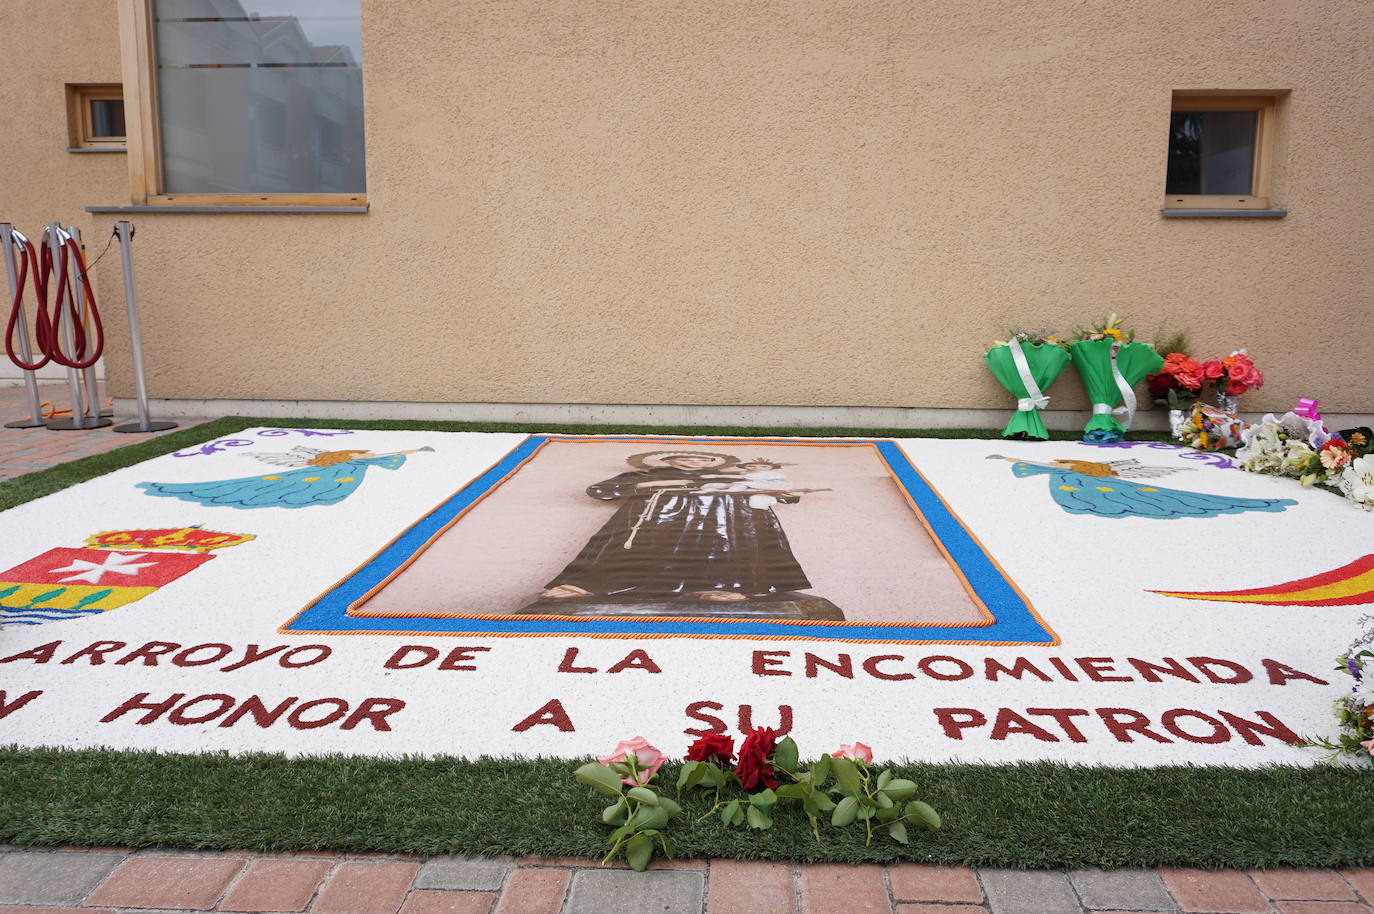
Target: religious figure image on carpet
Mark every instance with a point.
(693, 527)
(672, 529)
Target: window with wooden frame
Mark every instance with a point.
(1221, 150)
(95, 117)
(229, 107)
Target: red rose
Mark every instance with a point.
(712, 748)
(1160, 385)
(1213, 369)
(753, 769)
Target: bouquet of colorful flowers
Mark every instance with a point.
(1026, 364)
(1176, 385)
(1354, 710)
(1233, 375)
(1110, 364)
(1300, 446)
(1206, 428)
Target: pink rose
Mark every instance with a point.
(647, 759)
(1369, 744)
(857, 751)
(1213, 369)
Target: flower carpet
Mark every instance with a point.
(390, 592)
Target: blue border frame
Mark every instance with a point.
(1014, 620)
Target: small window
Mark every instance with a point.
(95, 117)
(1220, 151)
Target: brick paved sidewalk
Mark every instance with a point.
(113, 880)
(23, 450)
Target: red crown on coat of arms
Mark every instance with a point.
(192, 539)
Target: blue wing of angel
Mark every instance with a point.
(1111, 496)
(299, 488)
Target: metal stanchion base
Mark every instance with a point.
(158, 426)
(24, 423)
(66, 425)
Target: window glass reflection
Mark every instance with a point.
(263, 96)
(1211, 152)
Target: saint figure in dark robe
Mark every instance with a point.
(672, 539)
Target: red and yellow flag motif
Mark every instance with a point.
(69, 583)
(1349, 585)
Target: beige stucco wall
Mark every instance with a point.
(39, 180)
(789, 202)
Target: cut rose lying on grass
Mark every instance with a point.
(640, 813)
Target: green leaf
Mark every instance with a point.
(785, 755)
(759, 818)
(650, 817)
(811, 807)
(600, 778)
(898, 831)
(614, 814)
(691, 773)
(900, 789)
(668, 847)
(883, 778)
(846, 775)
(820, 771)
(923, 814)
(669, 806)
(823, 802)
(792, 791)
(619, 833)
(884, 801)
(643, 795)
(638, 851)
(847, 811)
(727, 812)
(889, 814)
(765, 798)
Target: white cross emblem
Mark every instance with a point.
(91, 572)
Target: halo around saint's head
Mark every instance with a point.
(655, 459)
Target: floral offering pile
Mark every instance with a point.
(1300, 446)
(748, 787)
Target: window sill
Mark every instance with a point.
(226, 209)
(97, 149)
(1223, 213)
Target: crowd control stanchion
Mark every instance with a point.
(88, 375)
(124, 231)
(55, 239)
(8, 237)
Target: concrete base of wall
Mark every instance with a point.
(647, 414)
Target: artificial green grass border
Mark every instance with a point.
(1026, 815)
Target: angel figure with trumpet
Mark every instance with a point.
(1108, 489)
(312, 477)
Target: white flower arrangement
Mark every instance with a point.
(1303, 448)
(1356, 482)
